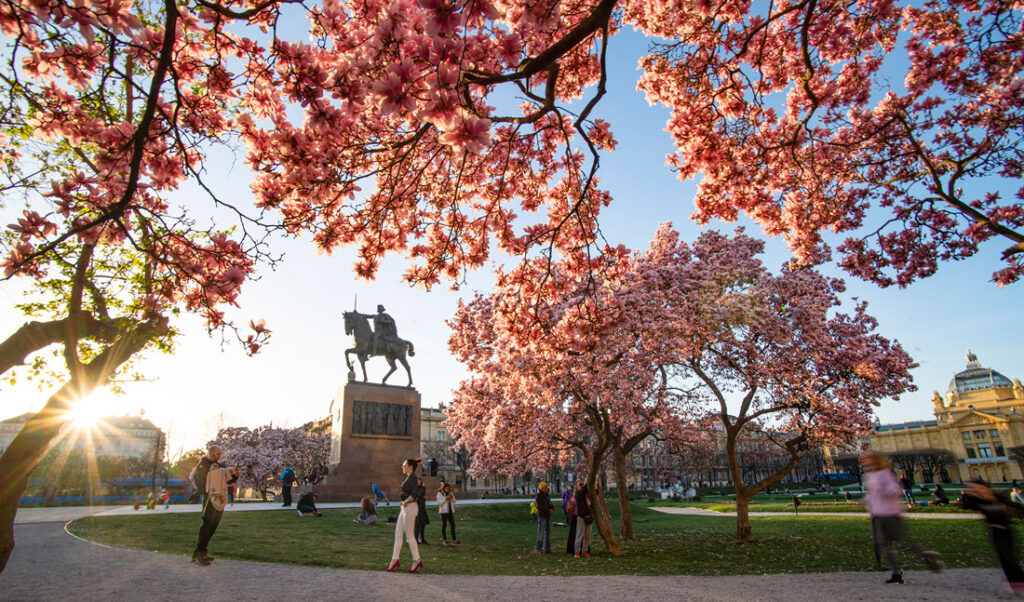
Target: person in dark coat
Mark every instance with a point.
(544, 512)
(584, 520)
(570, 510)
(421, 519)
(287, 480)
(941, 499)
(307, 504)
(998, 511)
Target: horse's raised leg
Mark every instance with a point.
(391, 363)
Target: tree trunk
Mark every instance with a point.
(603, 520)
(743, 531)
(29, 447)
(625, 513)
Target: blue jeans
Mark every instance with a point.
(544, 533)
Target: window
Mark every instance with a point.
(967, 436)
(994, 433)
(440, 435)
(984, 450)
(999, 450)
(970, 452)
(979, 434)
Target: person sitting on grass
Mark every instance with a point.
(368, 512)
(941, 499)
(307, 504)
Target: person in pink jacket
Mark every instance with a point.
(884, 500)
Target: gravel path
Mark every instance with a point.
(49, 564)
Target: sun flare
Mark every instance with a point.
(85, 415)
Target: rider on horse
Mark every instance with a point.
(384, 330)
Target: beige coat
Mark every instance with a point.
(217, 487)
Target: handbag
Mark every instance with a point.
(588, 520)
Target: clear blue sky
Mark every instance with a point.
(294, 379)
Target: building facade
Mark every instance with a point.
(978, 421)
(114, 436)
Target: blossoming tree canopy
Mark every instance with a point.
(768, 353)
(438, 128)
(900, 124)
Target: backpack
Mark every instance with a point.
(198, 477)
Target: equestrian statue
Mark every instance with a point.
(382, 339)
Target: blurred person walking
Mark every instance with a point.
(998, 511)
(883, 493)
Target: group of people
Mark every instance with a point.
(885, 495)
(884, 498)
(579, 515)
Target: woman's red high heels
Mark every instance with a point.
(417, 566)
(391, 567)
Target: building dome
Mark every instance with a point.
(976, 378)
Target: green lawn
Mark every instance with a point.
(498, 539)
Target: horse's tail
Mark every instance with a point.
(412, 352)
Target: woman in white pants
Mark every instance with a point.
(407, 518)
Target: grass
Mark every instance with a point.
(498, 539)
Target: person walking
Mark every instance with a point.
(544, 512)
(446, 508)
(884, 506)
(287, 479)
(998, 511)
(584, 520)
(421, 515)
(211, 479)
(407, 518)
(908, 490)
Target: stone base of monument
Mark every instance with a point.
(374, 429)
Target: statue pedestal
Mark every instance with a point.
(374, 429)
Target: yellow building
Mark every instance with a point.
(979, 421)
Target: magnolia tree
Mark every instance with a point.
(792, 112)
(109, 107)
(441, 128)
(902, 124)
(589, 383)
(261, 453)
(769, 355)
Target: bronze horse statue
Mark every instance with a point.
(358, 325)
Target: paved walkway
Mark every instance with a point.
(50, 564)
